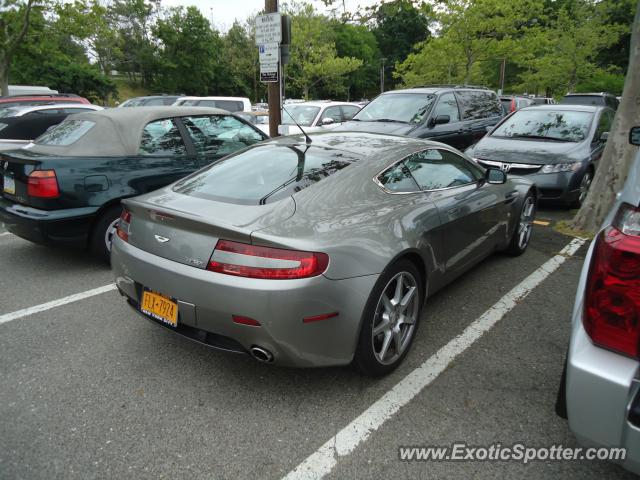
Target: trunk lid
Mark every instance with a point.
(15, 168)
(185, 229)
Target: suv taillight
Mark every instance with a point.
(244, 260)
(122, 230)
(43, 184)
(612, 297)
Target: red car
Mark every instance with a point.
(17, 100)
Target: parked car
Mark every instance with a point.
(600, 390)
(556, 146)
(314, 254)
(150, 101)
(313, 116)
(543, 101)
(511, 103)
(19, 126)
(600, 99)
(257, 118)
(46, 109)
(66, 187)
(231, 104)
(22, 100)
(454, 115)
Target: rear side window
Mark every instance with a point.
(435, 169)
(264, 174)
(229, 105)
(398, 179)
(65, 133)
(154, 102)
(478, 104)
(162, 138)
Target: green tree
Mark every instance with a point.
(241, 69)
(314, 60)
(357, 41)
(15, 18)
(189, 53)
(398, 26)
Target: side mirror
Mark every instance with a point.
(441, 119)
(327, 121)
(495, 176)
(634, 136)
(604, 136)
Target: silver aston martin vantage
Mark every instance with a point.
(318, 251)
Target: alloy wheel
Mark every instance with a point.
(395, 318)
(584, 186)
(110, 232)
(525, 225)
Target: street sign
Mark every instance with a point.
(269, 72)
(268, 28)
(268, 52)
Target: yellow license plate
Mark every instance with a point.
(160, 307)
(9, 185)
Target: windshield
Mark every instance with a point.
(265, 174)
(398, 107)
(303, 115)
(565, 126)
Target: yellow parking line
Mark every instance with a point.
(541, 222)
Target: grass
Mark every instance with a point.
(566, 228)
(126, 90)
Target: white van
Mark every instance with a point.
(231, 104)
(30, 90)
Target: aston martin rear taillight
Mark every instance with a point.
(252, 261)
(123, 225)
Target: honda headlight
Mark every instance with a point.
(561, 167)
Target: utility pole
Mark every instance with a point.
(503, 72)
(382, 75)
(274, 89)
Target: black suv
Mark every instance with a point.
(456, 115)
(601, 99)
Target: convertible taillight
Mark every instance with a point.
(612, 297)
(43, 184)
(122, 230)
(252, 261)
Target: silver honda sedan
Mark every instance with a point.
(317, 251)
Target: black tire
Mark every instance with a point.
(561, 399)
(585, 184)
(516, 245)
(366, 358)
(97, 242)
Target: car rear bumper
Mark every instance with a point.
(208, 300)
(603, 392)
(68, 227)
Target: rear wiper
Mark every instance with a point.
(540, 137)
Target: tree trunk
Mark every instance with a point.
(619, 153)
(4, 76)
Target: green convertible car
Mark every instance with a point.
(66, 187)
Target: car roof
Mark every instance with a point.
(592, 94)
(566, 107)
(22, 109)
(324, 103)
(117, 131)
(212, 98)
(438, 88)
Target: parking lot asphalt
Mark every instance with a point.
(91, 390)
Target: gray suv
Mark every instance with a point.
(455, 115)
(600, 388)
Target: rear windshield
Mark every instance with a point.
(539, 124)
(65, 133)
(583, 100)
(265, 174)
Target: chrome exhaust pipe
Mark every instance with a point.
(261, 354)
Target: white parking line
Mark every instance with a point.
(25, 312)
(323, 460)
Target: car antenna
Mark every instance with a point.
(307, 137)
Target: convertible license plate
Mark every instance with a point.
(9, 185)
(159, 307)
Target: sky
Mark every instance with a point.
(224, 12)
